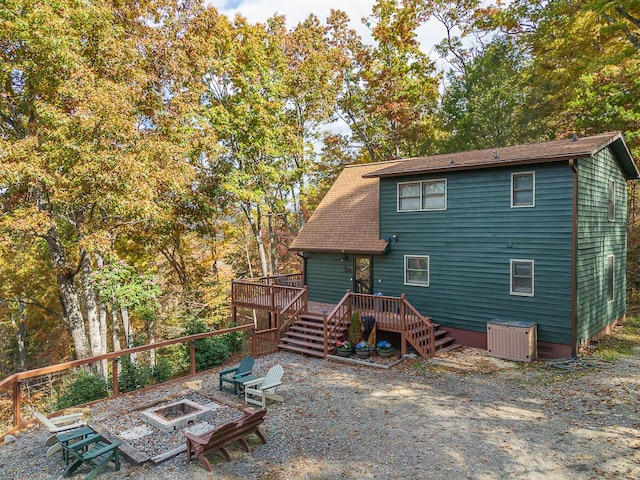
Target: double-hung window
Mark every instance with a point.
(611, 196)
(416, 270)
(523, 189)
(425, 195)
(610, 278)
(522, 278)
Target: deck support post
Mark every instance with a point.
(192, 356)
(114, 377)
(17, 403)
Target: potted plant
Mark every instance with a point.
(355, 329)
(362, 349)
(343, 348)
(384, 348)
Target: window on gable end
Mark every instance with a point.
(611, 195)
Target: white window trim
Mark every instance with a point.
(533, 199)
(420, 182)
(533, 277)
(406, 282)
(611, 188)
(613, 274)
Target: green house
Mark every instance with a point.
(532, 233)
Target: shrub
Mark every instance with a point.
(210, 351)
(162, 371)
(132, 375)
(86, 387)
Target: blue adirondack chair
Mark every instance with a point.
(237, 375)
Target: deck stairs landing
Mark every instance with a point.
(306, 337)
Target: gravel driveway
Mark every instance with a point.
(413, 421)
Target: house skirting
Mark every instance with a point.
(470, 338)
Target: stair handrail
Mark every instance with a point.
(287, 316)
(427, 322)
(329, 320)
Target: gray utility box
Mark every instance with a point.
(512, 340)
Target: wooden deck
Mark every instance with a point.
(287, 304)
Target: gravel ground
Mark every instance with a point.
(466, 417)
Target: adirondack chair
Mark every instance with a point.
(260, 390)
(219, 437)
(56, 425)
(235, 375)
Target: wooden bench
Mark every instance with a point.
(85, 445)
(219, 437)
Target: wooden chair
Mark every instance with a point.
(56, 425)
(219, 437)
(89, 448)
(260, 390)
(235, 375)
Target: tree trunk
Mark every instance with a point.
(257, 234)
(20, 332)
(102, 319)
(115, 329)
(93, 321)
(71, 312)
(128, 334)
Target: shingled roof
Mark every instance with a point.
(347, 218)
(553, 151)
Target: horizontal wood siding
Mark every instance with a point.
(327, 276)
(597, 239)
(471, 243)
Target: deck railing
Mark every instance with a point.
(262, 296)
(267, 340)
(394, 314)
(260, 345)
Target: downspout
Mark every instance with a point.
(574, 261)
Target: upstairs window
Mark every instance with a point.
(523, 189)
(427, 195)
(611, 195)
(522, 278)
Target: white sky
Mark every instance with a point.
(297, 10)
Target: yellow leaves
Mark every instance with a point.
(26, 220)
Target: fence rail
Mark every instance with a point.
(262, 344)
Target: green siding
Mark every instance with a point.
(598, 238)
(471, 244)
(327, 276)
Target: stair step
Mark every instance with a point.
(444, 341)
(304, 335)
(448, 348)
(303, 329)
(309, 324)
(304, 351)
(311, 317)
(302, 343)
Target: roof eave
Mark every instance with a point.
(478, 166)
(376, 251)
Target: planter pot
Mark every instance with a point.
(386, 353)
(343, 353)
(363, 353)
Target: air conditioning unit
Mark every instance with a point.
(512, 340)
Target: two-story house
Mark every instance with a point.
(533, 233)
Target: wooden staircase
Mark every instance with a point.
(306, 337)
(444, 343)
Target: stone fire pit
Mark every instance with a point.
(176, 415)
